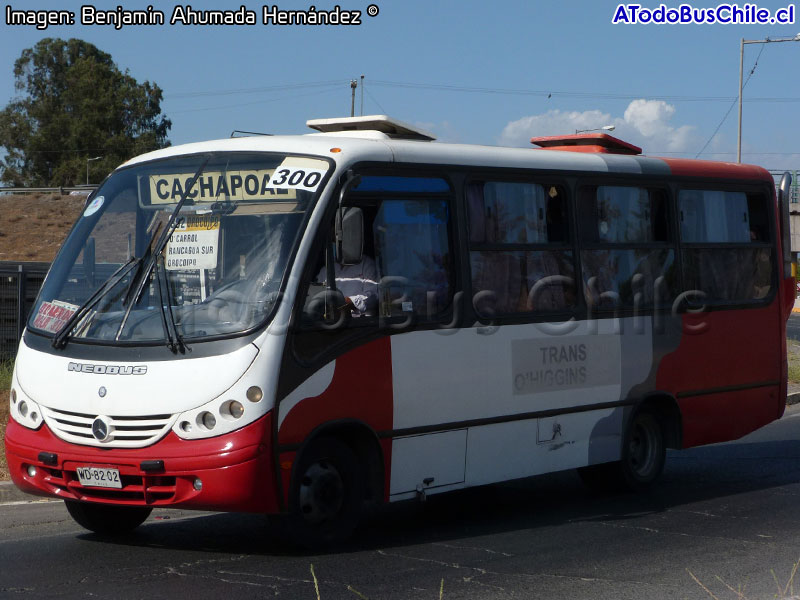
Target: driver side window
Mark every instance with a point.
(403, 274)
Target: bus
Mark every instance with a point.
(308, 326)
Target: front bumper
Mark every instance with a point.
(236, 470)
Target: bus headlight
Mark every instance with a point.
(24, 410)
(232, 410)
(206, 420)
(237, 407)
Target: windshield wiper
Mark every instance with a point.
(60, 339)
(174, 339)
(148, 260)
(139, 262)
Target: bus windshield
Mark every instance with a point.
(179, 249)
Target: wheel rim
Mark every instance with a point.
(321, 492)
(643, 448)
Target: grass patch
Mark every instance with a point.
(4, 476)
(6, 369)
(793, 355)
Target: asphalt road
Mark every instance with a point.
(723, 515)
(793, 327)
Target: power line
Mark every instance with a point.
(480, 90)
(227, 106)
(567, 94)
(258, 90)
(730, 108)
(375, 100)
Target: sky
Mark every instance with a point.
(470, 72)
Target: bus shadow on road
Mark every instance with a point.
(693, 480)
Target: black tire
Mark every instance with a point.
(643, 451)
(327, 495)
(107, 519)
(643, 456)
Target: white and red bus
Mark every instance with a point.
(306, 325)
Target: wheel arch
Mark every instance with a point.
(363, 441)
(665, 407)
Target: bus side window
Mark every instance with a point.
(519, 258)
(626, 255)
(356, 277)
(413, 256)
(727, 254)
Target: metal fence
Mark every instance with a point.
(794, 190)
(81, 189)
(19, 284)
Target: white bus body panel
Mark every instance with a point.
(171, 386)
(486, 373)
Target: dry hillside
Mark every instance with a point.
(32, 227)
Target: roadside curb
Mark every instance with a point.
(11, 493)
(793, 398)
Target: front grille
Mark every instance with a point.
(125, 432)
(136, 489)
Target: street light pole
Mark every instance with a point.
(741, 82)
(88, 160)
(604, 128)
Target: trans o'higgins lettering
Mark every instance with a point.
(106, 369)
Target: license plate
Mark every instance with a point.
(99, 477)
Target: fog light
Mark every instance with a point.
(254, 394)
(197, 484)
(31, 471)
(23, 408)
(186, 426)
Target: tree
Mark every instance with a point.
(75, 105)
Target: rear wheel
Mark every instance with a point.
(642, 461)
(643, 451)
(327, 494)
(107, 519)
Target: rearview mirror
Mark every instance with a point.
(350, 247)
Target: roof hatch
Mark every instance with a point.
(586, 142)
(392, 128)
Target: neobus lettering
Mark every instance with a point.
(106, 369)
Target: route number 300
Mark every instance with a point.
(306, 179)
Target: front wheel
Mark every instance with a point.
(327, 494)
(107, 519)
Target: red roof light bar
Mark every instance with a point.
(586, 142)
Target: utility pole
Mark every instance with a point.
(353, 86)
(362, 95)
(88, 160)
(741, 77)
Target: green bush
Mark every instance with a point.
(6, 369)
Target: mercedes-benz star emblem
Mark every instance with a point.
(100, 429)
(102, 392)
